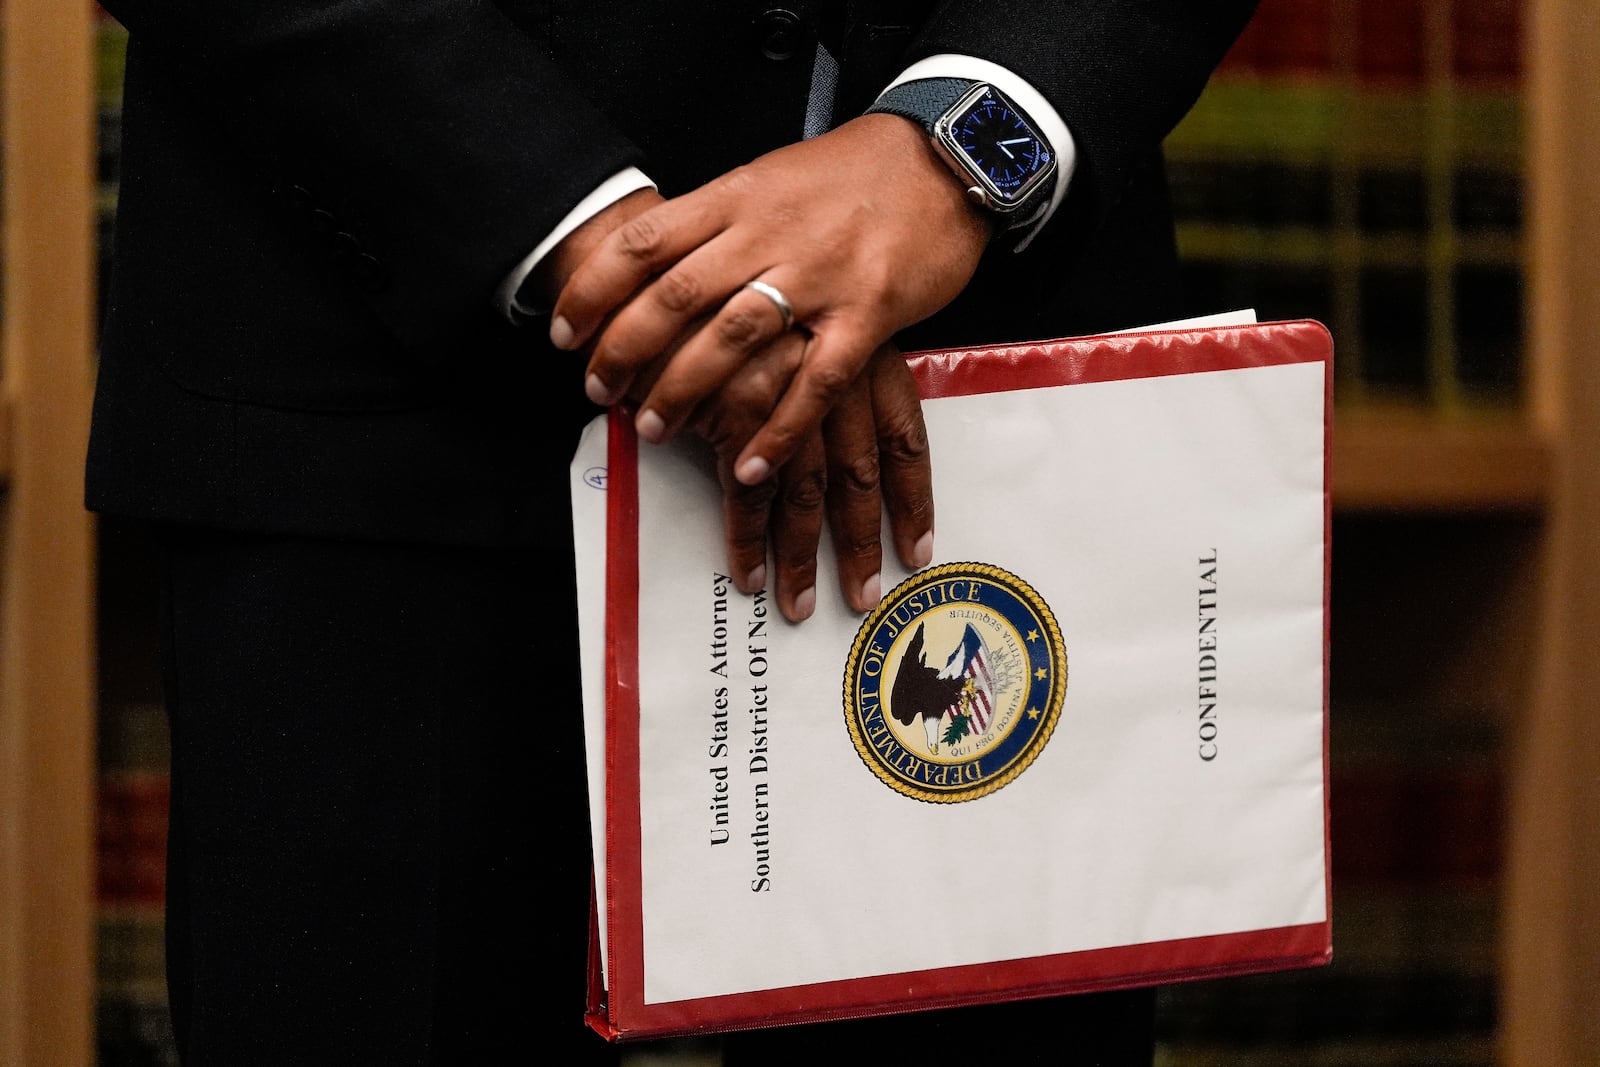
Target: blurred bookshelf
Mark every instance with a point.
(1362, 163)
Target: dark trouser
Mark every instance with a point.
(379, 847)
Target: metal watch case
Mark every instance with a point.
(981, 188)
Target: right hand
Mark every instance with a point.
(870, 454)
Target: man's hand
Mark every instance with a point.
(869, 454)
(878, 459)
(556, 267)
(863, 228)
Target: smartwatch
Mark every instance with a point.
(990, 142)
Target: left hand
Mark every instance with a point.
(869, 455)
(863, 228)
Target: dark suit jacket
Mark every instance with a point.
(318, 200)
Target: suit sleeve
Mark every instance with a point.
(443, 126)
(1120, 73)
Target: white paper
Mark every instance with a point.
(1129, 837)
(588, 479)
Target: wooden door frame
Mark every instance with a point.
(1551, 953)
(47, 774)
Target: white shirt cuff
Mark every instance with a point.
(1028, 98)
(608, 192)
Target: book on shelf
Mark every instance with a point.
(132, 1024)
(1486, 41)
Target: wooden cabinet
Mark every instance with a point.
(1467, 553)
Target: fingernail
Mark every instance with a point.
(756, 579)
(596, 390)
(561, 334)
(922, 554)
(650, 426)
(871, 591)
(805, 603)
(752, 471)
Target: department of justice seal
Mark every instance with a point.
(955, 682)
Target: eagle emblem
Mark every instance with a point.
(952, 701)
(955, 682)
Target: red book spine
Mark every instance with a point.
(131, 839)
(1292, 37)
(1486, 41)
(1390, 40)
(1401, 824)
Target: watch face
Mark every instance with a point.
(999, 144)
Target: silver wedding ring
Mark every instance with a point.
(779, 301)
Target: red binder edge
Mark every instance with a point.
(620, 1014)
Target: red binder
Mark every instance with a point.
(1127, 613)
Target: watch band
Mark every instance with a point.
(922, 100)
